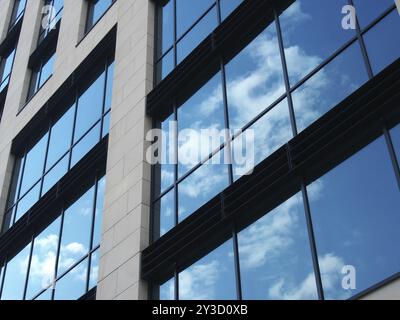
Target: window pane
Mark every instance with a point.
(369, 10)
(90, 107)
(60, 137)
(85, 145)
(27, 201)
(58, 5)
(106, 125)
(203, 111)
(165, 209)
(227, 6)
(271, 132)
(15, 276)
(329, 86)
(76, 231)
(44, 255)
(167, 290)
(211, 278)
(197, 34)
(395, 133)
(316, 19)
(34, 164)
(110, 77)
(165, 66)
(73, 285)
(94, 269)
(168, 153)
(254, 79)
(166, 36)
(47, 70)
(187, 12)
(202, 185)
(8, 65)
(98, 9)
(99, 212)
(17, 174)
(55, 174)
(275, 257)
(381, 43)
(355, 210)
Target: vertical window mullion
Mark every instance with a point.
(104, 98)
(311, 238)
(96, 189)
(53, 287)
(28, 268)
(19, 187)
(73, 128)
(45, 159)
(392, 154)
(285, 74)
(362, 46)
(4, 265)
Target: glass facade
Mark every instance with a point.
(56, 263)
(182, 25)
(69, 138)
(320, 77)
(96, 9)
(278, 85)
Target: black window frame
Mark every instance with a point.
(90, 23)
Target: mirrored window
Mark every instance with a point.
(275, 256)
(75, 239)
(18, 12)
(369, 10)
(96, 10)
(72, 286)
(167, 290)
(6, 64)
(380, 41)
(332, 84)
(43, 260)
(211, 278)
(15, 276)
(307, 49)
(355, 210)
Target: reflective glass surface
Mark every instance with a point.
(275, 256)
(96, 10)
(355, 216)
(211, 278)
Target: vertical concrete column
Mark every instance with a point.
(19, 81)
(127, 198)
(16, 95)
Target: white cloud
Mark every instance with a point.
(330, 266)
(266, 239)
(198, 282)
(75, 248)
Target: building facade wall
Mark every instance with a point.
(126, 217)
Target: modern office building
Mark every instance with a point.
(85, 215)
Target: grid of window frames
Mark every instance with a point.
(61, 262)
(17, 12)
(51, 15)
(41, 73)
(279, 95)
(96, 9)
(6, 64)
(68, 139)
(182, 25)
